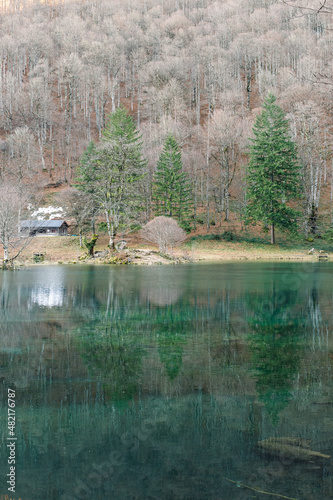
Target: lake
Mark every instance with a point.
(193, 382)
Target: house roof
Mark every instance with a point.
(38, 224)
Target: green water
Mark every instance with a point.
(158, 382)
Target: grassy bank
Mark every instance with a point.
(66, 249)
(246, 246)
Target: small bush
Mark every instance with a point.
(199, 220)
(207, 237)
(328, 235)
(165, 232)
(38, 257)
(227, 236)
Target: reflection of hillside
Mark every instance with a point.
(113, 354)
(197, 340)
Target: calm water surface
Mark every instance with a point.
(158, 382)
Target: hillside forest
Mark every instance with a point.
(192, 75)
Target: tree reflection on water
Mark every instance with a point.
(175, 369)
(276, 341)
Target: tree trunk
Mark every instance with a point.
(80, 236)
(93, 224)
(207, 165)
(91, 244)
(112, 245)
(272, 234)
(5, 258)
(111, 231)
(312, 220)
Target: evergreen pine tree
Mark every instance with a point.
(273, 175)
(86, 178)
(172, 190)
(86, 171)
(111, 172)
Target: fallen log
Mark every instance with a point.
(290, 448)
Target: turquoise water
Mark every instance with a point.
(159, 382)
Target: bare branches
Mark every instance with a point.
(11, 239)
(165, 232)
(322, 8)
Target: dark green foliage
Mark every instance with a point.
(273, 176)
(124, 145)
(86, 179)
(87, 170)
(199, 220)
(113, 171)
(121, 169)
(276, 353)
(170, 350)
(276, 345)
(172, 190)
(227, 236)
(171, 341)
(38, 257)
(207, 237)
(328, 235)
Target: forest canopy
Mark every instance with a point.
(196, 70)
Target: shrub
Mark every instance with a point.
(212, 237)
(227, 236)
(165, 232)
(199, 220)
(328, 235)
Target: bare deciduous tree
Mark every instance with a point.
(225, 133)
(312, 152)
(11, 239)
(22, 156)
(165, 232)
(176, 64)
(79, 206)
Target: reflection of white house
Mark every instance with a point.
(56, 227)
(47, 296)
(47, 288)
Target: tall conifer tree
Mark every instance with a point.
(273, 176)
(172, 190)
(113, 171)
(85, 180)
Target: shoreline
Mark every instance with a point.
(66, 251)
(153, 258)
